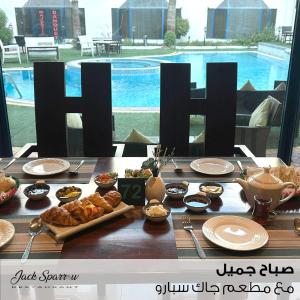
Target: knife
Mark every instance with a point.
(10, 163)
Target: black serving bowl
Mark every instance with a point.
(37, 191)
(172, 187)
(65, 199)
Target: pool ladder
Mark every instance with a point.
(12, 81)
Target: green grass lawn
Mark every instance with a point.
(74, 54)
(22, 124)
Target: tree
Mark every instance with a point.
(5, 32)
(182, 27)
(171, 17)
(170, 39)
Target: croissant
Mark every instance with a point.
(85, 202)
(113, 198)
(72, 205)
(99, 201)
(58, 216)
(87, 213)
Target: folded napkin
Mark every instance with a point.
(285, 173)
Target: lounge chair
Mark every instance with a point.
(10, 51)
(86, 44)
(40, 48)
(256, 138)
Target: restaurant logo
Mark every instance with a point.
(45, 277)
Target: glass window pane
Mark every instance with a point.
(133, 35)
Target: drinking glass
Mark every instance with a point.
(261, 209)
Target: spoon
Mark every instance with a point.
(75, 171)
(35, 228)
(297, 225)
(177, 169)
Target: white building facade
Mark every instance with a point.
(98, 16)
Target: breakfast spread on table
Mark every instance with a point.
(78, 214)
(82, 211)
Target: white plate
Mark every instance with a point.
(235, 233)
(212, 166)
(46, 166)
(7, 232)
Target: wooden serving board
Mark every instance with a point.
(62, 232)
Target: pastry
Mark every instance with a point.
(99, 201)
(87, 213)
(58, 216)
(85, 201)
(72, 205)
(113, 198)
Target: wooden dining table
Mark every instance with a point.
(130, 236)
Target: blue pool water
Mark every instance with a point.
(135, 83)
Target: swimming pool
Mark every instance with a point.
(135, 82)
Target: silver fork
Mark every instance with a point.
(187, 225)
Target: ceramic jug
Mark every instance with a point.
(266, 185)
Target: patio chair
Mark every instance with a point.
(41, 48)
(177, 105)
(256, 137)
(20, 40)
(10, 51)
(86, 44)
(52, 108)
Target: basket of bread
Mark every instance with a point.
(80, 214)
(8, 187)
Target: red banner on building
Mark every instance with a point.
(55, 23)
(42, 21)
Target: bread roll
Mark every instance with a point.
(6, 183)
